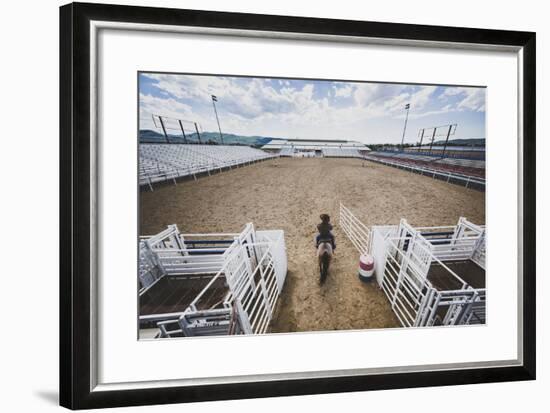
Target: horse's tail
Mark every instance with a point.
(325, 260)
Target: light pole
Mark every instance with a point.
(407, 107)
(214, 100)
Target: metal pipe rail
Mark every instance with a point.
(428, 169)
(464, 180)
(357, 232)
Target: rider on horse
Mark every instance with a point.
(325, 232)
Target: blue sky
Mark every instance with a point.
(311, 109)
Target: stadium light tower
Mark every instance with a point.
(407, 107)
(214, 100)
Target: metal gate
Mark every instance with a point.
(358, 233)
(406, 257)
(465, 306)
(250, 273)
(248, 268)
(404, 284)
(418, 249)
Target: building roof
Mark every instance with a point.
(311, 144)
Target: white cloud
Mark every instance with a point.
(422, 97)
(344, 91)
(171, 108)
(474, 100)
(451, 91)
(262, 106)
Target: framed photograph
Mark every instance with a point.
(258, 206)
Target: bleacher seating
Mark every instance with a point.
(422, 158)
(162, 162)
(341, 152)
(286, 151)
(459, 167)
(465, 163)
(383, 153)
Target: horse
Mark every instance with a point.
(324, 255)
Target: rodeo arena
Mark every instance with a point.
(227, 234)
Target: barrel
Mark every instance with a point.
(366, 267)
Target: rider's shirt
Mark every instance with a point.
(324, 229)
(325, 233)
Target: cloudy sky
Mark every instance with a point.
(311, 109)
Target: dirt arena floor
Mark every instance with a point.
(290, 194)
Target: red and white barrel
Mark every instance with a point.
(366, 267)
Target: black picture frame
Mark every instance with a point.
(75, 219)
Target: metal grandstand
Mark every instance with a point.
(159, 163)
(185, 154)
(462, 166)
(467, 177)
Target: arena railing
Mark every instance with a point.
(450, 177)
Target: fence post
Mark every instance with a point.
(182, 131)
(198, 133)
(432, 142)
(446, 140)
(243, 317)
(164, 129)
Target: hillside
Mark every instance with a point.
(150, 136)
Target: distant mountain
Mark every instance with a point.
(150, 136)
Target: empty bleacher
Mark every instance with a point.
(341, 153)
(383, 154)
(464, 163)
(469, 172)
(403, 155)
(467, 167)
(167, 162)
(287, 151)
(416, 158)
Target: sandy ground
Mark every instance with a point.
(290, 194)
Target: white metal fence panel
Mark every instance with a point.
(255, 268)
(417, 249)
(277, 238)
(476, 315)
(478, 255)
(379, 235)
(172, 254)
(404, 285)
(466, 239)
(150, 270)
(464, 306)
(358, 233)
(209, 263)
(405, 280)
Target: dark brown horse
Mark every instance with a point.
(324, 255)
